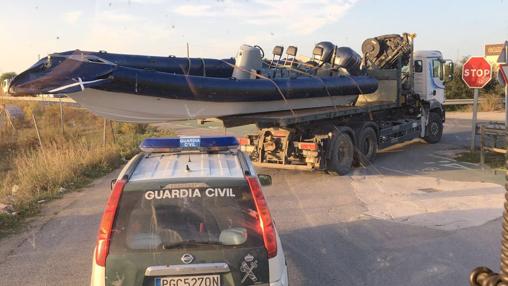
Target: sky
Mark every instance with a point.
(31, 29)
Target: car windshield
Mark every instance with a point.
(186, 217)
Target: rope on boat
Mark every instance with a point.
(267, 78)
(80, 83)
(321, 80)
(189, 66)
(204, 66)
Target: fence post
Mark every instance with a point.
(104, 133)
(37, 131)
(61, 117)
(112, 131)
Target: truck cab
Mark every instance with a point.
(431, 72)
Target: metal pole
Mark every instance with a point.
(506, 102)
(104, 133)
(506, 88)
(61, 117)
(503, 275)
(37, 131)
(475, 110)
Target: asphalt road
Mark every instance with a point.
(414, 217)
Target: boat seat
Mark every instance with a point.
(274, 64)
(290, 55)
(315, 62)
(277, 52)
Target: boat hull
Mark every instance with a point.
(128, 107)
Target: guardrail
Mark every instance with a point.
(466, 101)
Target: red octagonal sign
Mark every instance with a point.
(476, 72)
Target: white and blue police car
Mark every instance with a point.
(188, 211)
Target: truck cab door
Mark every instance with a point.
(436, 87)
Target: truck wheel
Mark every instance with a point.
(434, 129)
(341, 154)
(367, 147)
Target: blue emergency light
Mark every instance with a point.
(183, 143)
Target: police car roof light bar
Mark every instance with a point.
(184, 143)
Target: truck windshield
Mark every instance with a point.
(185, 218)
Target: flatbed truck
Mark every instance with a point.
(407, 105)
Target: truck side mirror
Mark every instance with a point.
(265, 180)
(449, 71)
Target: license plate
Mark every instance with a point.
(201, 280)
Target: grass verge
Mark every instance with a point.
(493, 160)
(66, 160)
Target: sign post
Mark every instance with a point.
(476, 73)
(476, 93)
(503, 59)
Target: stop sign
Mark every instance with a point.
(476, 72)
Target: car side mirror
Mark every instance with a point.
(113, 182)
(233, 236)
(265, 180)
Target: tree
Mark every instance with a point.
(458, 89)
(7, 75)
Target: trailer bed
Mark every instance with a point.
(287, 117)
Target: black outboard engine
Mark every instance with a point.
(327, 51)
(348, 59)
(333, 58)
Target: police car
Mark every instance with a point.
(188, 211)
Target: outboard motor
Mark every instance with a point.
(326, 49)
(247, 62)
(348, 59)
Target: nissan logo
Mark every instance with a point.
(187, 258)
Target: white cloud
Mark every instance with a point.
(298, 17)
(147, 1)
(115, 17)
(194, 10)
(72, 17)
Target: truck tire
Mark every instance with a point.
(434, 129)
(341, 154)
(367, 147)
